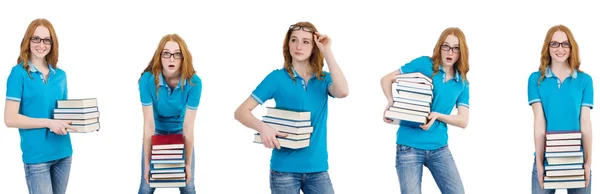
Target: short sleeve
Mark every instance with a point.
(194, 95)
(144, 87)
(14, 84)
(463, 98)
(266, 89)
(416, 65)
(588, 94)
(533, 94)
(328, 83)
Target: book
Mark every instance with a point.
(289, 114)
(286, 143)
(167, 161)
(83, 114)
(295, 123)
(77, 103)
(563, 163)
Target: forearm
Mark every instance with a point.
(23, 122)
(540, 140)
(454, 120)
(245, 117)
(386, 86)
(586, 133)
(188, 136)
(148, 132)
(340, 84)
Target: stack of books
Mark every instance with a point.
(167, 161)
(563, 164)
(82, 113)
(295, 123)
(412, 100)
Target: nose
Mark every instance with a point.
(172, 58)
(451, 51)
(298, 46)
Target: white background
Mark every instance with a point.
(235, 44)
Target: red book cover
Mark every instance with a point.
(171, 141)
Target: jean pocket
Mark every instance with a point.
(403, 148)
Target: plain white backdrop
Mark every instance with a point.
(104, 46)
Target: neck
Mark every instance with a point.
(172, 76)
(302, 68)
(39, 63)
(556, 66)
(449, 69)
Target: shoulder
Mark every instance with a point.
(535, 75)
(423, 60)
(196, 80)
(60, 72)
(18, 69)
(147, 76)
(277, 73)
(584, 76)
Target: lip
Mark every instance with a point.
(297, 53)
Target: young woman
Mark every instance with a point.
(33, 87)
(561, 97)
(301, 84)
(170, 94)
(427, 145)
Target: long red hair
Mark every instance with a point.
(51, 58)
(155, 65)
(316, 57)
(462, 65)
(545, 59)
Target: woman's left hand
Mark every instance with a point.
(323, 41)
(432, 118)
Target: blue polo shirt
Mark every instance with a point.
(37, 100)
(446, 96)
(561, 102)
(311, 95)
(169, 105)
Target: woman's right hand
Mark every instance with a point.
(268, 136)
(390, 103)
(540, 174)
(60, 127)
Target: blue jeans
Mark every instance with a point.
(48, 177)
(537, 189)
(409, 166)
(188, 189)
(292, 183)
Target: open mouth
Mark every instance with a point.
(448, 59)
(171, 66)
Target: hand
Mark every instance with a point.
(188, 173)
(323, 41)
(268, 136)
(60, 127)
(390, 103)
(587, 172)
(540, 174)
(147, 172)
(432, 117)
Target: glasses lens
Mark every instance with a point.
(166, 54)
(566, 45)
(456, 49)
(445, 47)
(36, 39)
(554, 44)
(47, 41)
(178, 55)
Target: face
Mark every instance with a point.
(450, 50)
(300, 45)
(560, 47)
(40, 43)
(171, 57)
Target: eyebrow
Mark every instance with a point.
(175, 50)
(40, 36)
(302, 38)
(449, 44)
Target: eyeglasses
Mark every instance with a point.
(168, 55)
(36, 39)
(448, 47)
(555, 44)
(303, 28)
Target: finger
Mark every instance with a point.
(279, 134)
(267, 142)
(276, 143)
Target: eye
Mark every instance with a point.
(456, 48)
(178, 55)
(566, 44)
(306, 42)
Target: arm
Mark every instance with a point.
(386, 85)
(460, 120)
(13, 119)
(539, 132)
(188, 134)
(243, 114)
(339, 85)
(148, 132)
(586, 133)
